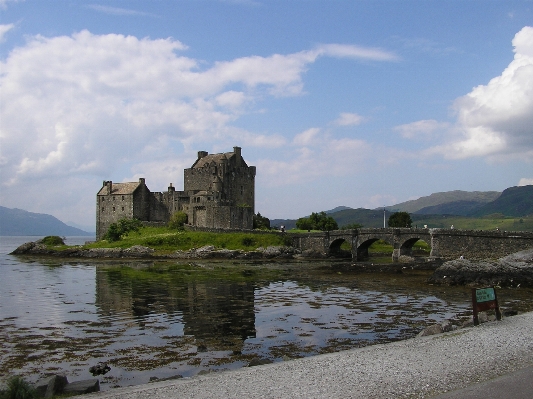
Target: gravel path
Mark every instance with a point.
(415, 368)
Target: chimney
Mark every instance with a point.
(202, 154)
(171, 188)
(237, 151)
(109, 185)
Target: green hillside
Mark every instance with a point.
(463, 208)
(514, 201)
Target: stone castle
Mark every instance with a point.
(218, 192)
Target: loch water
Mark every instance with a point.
(154, 320)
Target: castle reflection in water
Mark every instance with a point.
(218, 314)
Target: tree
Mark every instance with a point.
(400, 219)
(261, 222)
(177, 220)
(317, 221)
(123, 226)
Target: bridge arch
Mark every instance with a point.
(406, 248)
(340, 247)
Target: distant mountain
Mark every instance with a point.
(337, 209)
(17, 222)
(514, 201)
(91, 229)
(447, 197)
(366, 217)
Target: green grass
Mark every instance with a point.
(490, 222)
(164, 239)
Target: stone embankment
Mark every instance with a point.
(515, 270)
(138, 251)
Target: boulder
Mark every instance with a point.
(514, 270)
(439, 328)
(406, 259)
(23, 249)
(138, 251)
(277, 252)
(102, 253)
(82, 387)
(259, 362)
(51, 386)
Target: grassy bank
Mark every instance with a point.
(164, 239)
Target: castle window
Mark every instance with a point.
(122, 209)
(103, 209)
(122, 198)
(113, 197)
(113, 209)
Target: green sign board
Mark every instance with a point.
(485, 295)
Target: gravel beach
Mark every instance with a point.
(415, 368)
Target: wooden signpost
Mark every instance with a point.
(484, 299)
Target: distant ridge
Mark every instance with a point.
(461, 208)
(447, 197)
(17, 222)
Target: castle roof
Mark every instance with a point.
(120, 188)
(216, 159)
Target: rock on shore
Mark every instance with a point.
(510, 271)
(139, 251)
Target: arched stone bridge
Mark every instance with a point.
(444, 243)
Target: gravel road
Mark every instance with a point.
(415, 368)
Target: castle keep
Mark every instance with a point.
(218, 192)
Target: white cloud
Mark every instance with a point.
(349, 119)
(355, 52)
(117, 10)
(424, 129)
(86, 105)
(3, 3)
(307, 137)
(3, 30)
(496, 119)
(315, 155)
(525, 181)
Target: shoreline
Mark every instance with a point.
(414, 368)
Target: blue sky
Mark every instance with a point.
(355, 103)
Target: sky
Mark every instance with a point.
(352, 103)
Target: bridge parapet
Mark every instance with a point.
(444, 243)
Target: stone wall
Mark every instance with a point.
(110, 209)
(475, 244)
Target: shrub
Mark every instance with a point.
(177, 220)
(53, 240)
(123, 226)
(261, 222)
(248, 241)
(18, 388)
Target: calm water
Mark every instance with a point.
(166, 319)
